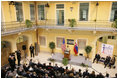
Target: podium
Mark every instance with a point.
(67, 54)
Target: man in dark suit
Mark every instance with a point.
(97, 57)
(18, 56)
(86, 73)
(9, 59)
(107, 61)
(112, 62)
(32, 50)
(12, 62)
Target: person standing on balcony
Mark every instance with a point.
(32, 50)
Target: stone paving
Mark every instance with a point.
(44, 56)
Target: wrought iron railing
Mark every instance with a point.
(93, 24)
(11, 26)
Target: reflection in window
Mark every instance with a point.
(42, 40)
(41, 13)
(59, 42)
(81, 43)
(32, 12)
(114, 11)
(84, 8)
(19, 11)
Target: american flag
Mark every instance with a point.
(63, 46)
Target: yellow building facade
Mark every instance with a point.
(50, 23)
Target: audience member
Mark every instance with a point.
(33, 70)
(85, 74)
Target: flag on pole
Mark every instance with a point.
(76, 48)
(63, 47)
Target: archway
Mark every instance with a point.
(5, 51)
(22, 40)
(109, 40)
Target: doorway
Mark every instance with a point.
(60, 17)
(60, 14)
(22, 40)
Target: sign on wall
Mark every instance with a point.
(107, 49)
(70, 41)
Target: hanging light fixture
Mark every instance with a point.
(47, 5)
(11, 3)
(97, 4)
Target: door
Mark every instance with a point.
(19, 47)
(60, 17)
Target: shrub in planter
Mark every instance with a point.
(52, 46)
(88, 50)
(65, 61)
(72, 22)
(28, 23)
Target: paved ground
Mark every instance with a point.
(43, 58)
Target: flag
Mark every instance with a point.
(76, 48)
(63, 47)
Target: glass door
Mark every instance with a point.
(60, 17)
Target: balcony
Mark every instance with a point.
(8, 28)
(80, 25)
(16, 27)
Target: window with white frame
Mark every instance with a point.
(42, 40)
(113, 11)
(60, 6)
(84, 9)
(41, 12)
(32, 12)
(19, 11)
(59, 42)
(81, 43)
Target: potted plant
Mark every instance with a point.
(52, 46)
(28, 23)
(65, 61)
(72, 22)
(83, 65)
(114, 24)
(52, 60)
(88, 50)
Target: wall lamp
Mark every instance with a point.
(71, 8)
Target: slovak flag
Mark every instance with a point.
(63, 47)
(76, 48)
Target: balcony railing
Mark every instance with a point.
(53, 22)
(7, 27)
(14, 27)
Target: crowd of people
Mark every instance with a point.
(38, 70)
(108, 61)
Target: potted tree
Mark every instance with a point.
(28, 23)
(114, 24)
(52, 46)
(72, 22)
(88, 50)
